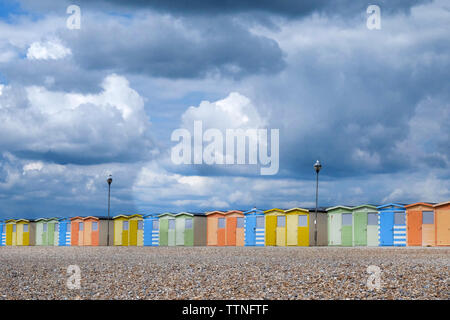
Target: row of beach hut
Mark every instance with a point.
(393, 224)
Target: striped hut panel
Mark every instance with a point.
(155, 237)
(400, 235)
(68, 238)
(260, 236)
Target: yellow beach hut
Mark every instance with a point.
(297, 227)
(25, 232)
(121, 230)
(11, 238)
(275, 227)
(136, 232)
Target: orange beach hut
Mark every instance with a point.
(235, 231)
(225, 228)
(91, 231)
(215, 228)
(442, 221)
(420, 226)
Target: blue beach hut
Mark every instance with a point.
(2, 233)
(392, 225)
(254, 227)
(64, 232)
(151, 230)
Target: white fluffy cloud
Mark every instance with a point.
(111, 124)
(33, 166)
(235, 111)
(51, 49)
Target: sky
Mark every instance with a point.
(77, 105)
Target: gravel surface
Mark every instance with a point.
(223, 273)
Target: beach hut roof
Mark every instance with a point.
(274, 209)
(135, 215)
(151, 215)
(233, 211)
(25, 220)
(398, 205)
(319, 209)
(297, 209)
(370, 206)
(339, 207)
(215, 211)
(97, 218)
(10, 220)
(253, 210)
(120, 215)
(426, 204)
(41, 219)
(442, 204)
(190, 214)
(167, 214)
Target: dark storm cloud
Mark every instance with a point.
(287, 8)
(174, 49)
(60, 75)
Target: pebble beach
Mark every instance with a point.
(223, 273)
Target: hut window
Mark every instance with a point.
(259, 222)
(303, 220)
(125, 225)
(221, 223)
(3, 229)
(428, 217)
(80, 226)
(346, 219)
(188, 223)
(94, 226)
(281, 221)
(56, 227)
(171, 224)
(14, 228)
(68, 226)
(25, 228)
(399, 218)
(372, 218)
(45, 227)
(240, 222)
(155, 225)
(140, 225)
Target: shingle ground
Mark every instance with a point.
(223, 273)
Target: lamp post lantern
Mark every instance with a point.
(317, 167)
(109, 180)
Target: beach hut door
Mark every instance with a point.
(414, 228)
(250, 231)
(180, 225)
(171, 232)
(335, 227)
(386, 228)
(360, 228)
(292, 230)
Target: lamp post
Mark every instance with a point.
(109, 180)
(317, 167)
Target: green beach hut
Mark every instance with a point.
(340, 223)
(365, 225)
(47, 231)
(190, 229)
(182, 229)
(167, 229)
